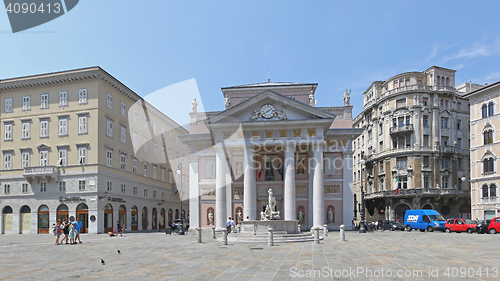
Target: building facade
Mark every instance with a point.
(415, 146)
(271, 137)
(485, 146)
(80, 144)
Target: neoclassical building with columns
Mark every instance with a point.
(271, 136)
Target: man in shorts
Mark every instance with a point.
(78, 226)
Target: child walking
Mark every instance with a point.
(72, 234)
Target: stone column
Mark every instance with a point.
(249, 186)
(220, 190)
(416, 127)
(150, 218)
(194, 196)
(318, 187)
(347, 189)
(289, 197)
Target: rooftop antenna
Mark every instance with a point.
(268, 78)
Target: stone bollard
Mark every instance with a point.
(224, 237)
(316, 234)
(325, 230)
(198, 234)
(298, 228)
(270, 241)
(342, 233)
(238, 228)
(213, 232)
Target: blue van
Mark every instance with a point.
(429, 220)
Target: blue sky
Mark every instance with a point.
(340, 45)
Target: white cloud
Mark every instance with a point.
(478, 48)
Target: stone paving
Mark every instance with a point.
(156, 256)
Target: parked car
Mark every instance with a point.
(423, 220)
(494, 227)
(460, 225)
(392, 225)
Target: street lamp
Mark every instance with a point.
(181, 227)
(362, 227)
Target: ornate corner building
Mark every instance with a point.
(415, 146)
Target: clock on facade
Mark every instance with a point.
(267, 111)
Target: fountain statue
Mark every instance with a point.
(270, 213)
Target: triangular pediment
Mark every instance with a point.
(43, 147)
(270, 106)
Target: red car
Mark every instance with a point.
(494, 227)
(460, 225)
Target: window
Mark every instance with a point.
(425, 100)
(170, 154)
(43, 187)
(459, 124)
(109, 157)
(401, 162)
(154, 148)
(484, 111)
(425, 121)
(162, 174)
(123, 161)
(459, 164)
(6, 188)
(44, 101)
(177, 141)
(25, 159)
(25, 128)
(109, 100)
(426, 161)
(8, 105)
(145, 122)
(109, 128)
(402, 182)
(135, 143)
(145, 192)
(134, 165)
(62, 186)
(81, 185)
(493, 191)
(44, 158)
(170, 176)
(459, 143)
(488, 165)
(426, 181)
(82, 96)
(426, 140)
(145, 169)
(154, 193)
(485, 191)
(82, 155)
(170, 136)
(134, 116)
(122, 188)
(63, 126)
(7, 161)
(444, 122)
(154, 171)
(445, 182)
(134, 190)
(154, 128)
(123, 134)
(445, 163)
(63, 156)
(26, 103)
(63, 99)
(488, 137)
(162, 152)
(369, 134)
(144, 144)
(381, 146)
(400, 103)
(44, 128)
(459, 106)
(82, 124)
(109, 186)
(490, 109)
(7, 132)
(123, 109)
(25, 187)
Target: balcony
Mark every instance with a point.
(416, 191)
(401, 129)
(43, 172)
(487, 200)
(447, 149)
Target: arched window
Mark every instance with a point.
(488, 136)
(447, 81)
(484, 110)
(490, 109)
(488, 165)
(439, 80)
(485, 191)
(493, 190)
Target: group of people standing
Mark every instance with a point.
(71, 231)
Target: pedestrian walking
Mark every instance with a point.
(58, 231)
(118, 228)
(72, 233)
(65, 230)
(78, 227)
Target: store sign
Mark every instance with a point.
(114, 199)
(72, 199)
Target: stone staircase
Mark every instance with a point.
(278, 237)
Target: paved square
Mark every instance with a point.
(156, 256)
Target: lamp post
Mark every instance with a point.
(362, 227)
(181, 225)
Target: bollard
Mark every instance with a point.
(342, 233)
(270, 241)
(325, 230)
(316, 234)
(224, 237)
(298, 228)
(198, 234)
(213, 232)
(238, 228)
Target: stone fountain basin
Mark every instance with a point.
(261, 227)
